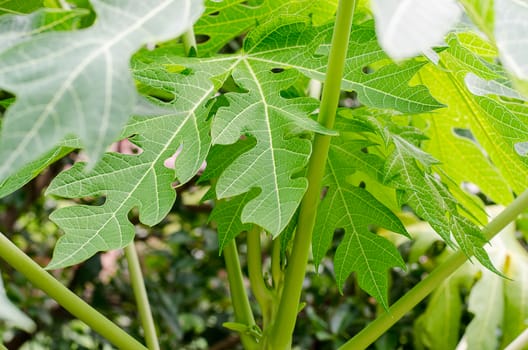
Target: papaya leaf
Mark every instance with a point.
(271, 53)
(143, 181)
(386, 87)
(353, 209)
(409, 170)
(79, 82)
(14, 29)
(242, 16)
(472, 89)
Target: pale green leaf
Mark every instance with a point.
(79, 82)
(406, 28)
(486, 302)
(14, 29)
(353, 209)
(34, 168)
(438, 327)
(511, 28)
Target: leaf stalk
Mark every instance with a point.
(239, 298)
(65, 297)
(140, 293)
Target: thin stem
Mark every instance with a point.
(140, 293)
(282, 331)
(258, 286)
(242, 309)
(66, 298)
(520, 342)
(189, 42)
(276, 270)
(383, 322)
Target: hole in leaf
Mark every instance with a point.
(214, 14)
(277, 70)
(169, 162)
(230, 85)
(324, 191)
(126, 146)
(464, 133)
(252, 3)
(367, 70)
(6, 100)
(202, 38)
(362, 184)
(521, 148)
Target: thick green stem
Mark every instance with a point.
(66, 298)
(381, 324)
(258, 286)
(241, 307)
(140, 293)
(281, 335)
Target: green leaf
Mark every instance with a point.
(409, 27)
(497, 124)
(128, 181)
(79, 82)
(439, 326)
(353, 209)
(30, 171)
(241, 16)
(409, 170)
(386, 87)
(275, 123)
(19, 7)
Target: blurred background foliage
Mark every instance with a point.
(187, 283)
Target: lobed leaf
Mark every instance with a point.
(128, 181)
(354, 210)
(471, 88)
